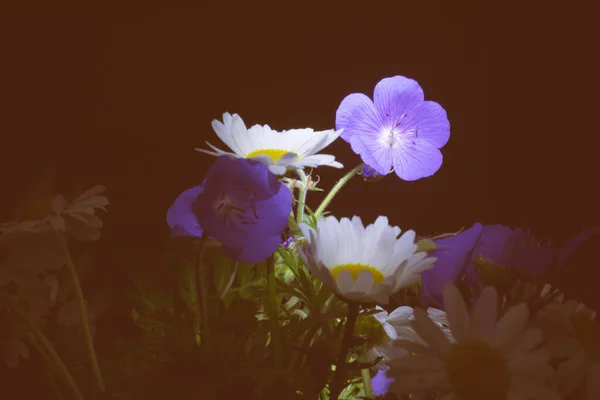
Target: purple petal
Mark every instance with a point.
(241, 178)
(373, 153)
(358, 117)
(370, 174)
(258, 212)
(381, 383)
(430, 121)
(453, 255)
(576, 242)
(181, 217)
(256, 249)
(493, 243)
(396, 96)
(416, 159)
(273, 214)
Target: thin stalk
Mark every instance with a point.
(308, 337)
(85, 323)
(301, 195)
(51, 370)
(366, 378)
(341, 370)
(203, 292)
(47, 350)
(336, 188)
(272, 309)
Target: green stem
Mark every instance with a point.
(339, 185)
(301, 195)
(48, 350)
(308, 337)
(272, 309)
(203, 289)
(52, 370)
(85, 323)
(366, 377)
(339, 377)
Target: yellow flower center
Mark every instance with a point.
(368, 328)
(356, 269)
(273, 153)
(477, 371)
(588, 334)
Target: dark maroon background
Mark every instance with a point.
(122, 96)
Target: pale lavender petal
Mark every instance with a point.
(396, 96)
(430, 121)
(357, 116)
(381, 383)
(416, 159)
(374, 154)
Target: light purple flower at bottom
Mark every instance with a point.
(381, 383)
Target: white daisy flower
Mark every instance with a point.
(489, 359)
(384, 331)
(76, 217)
(573, 336)
(365, 265)
(281, 151)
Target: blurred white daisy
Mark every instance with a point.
(490, 359)
(573, 336)
(365, 265)
(384, 333)
(281, 151)
(76, 217)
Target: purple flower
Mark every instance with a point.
(369, 174)
(381, 383)
(453, 254)
(241, 204)
(181, 217)
(498, 245)
(398, 129)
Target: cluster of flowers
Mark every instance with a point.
(481, 335)
(485, 323)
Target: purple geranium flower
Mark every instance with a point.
(499, 245)
(181, 217)
(453, 254)
(241, 204)
(398, 129)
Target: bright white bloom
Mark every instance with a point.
(573, 337)
(76, 218)
(365, 265)
(390, 330)
(281, 151)
(490, 359)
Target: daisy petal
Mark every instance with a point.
(430, 332)
(509, 326)
(483, 319)
(456, 310)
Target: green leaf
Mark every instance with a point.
(224, 272)
(426, 245)
(188, 289)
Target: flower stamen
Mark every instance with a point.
(356, 269)
(274, 154)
